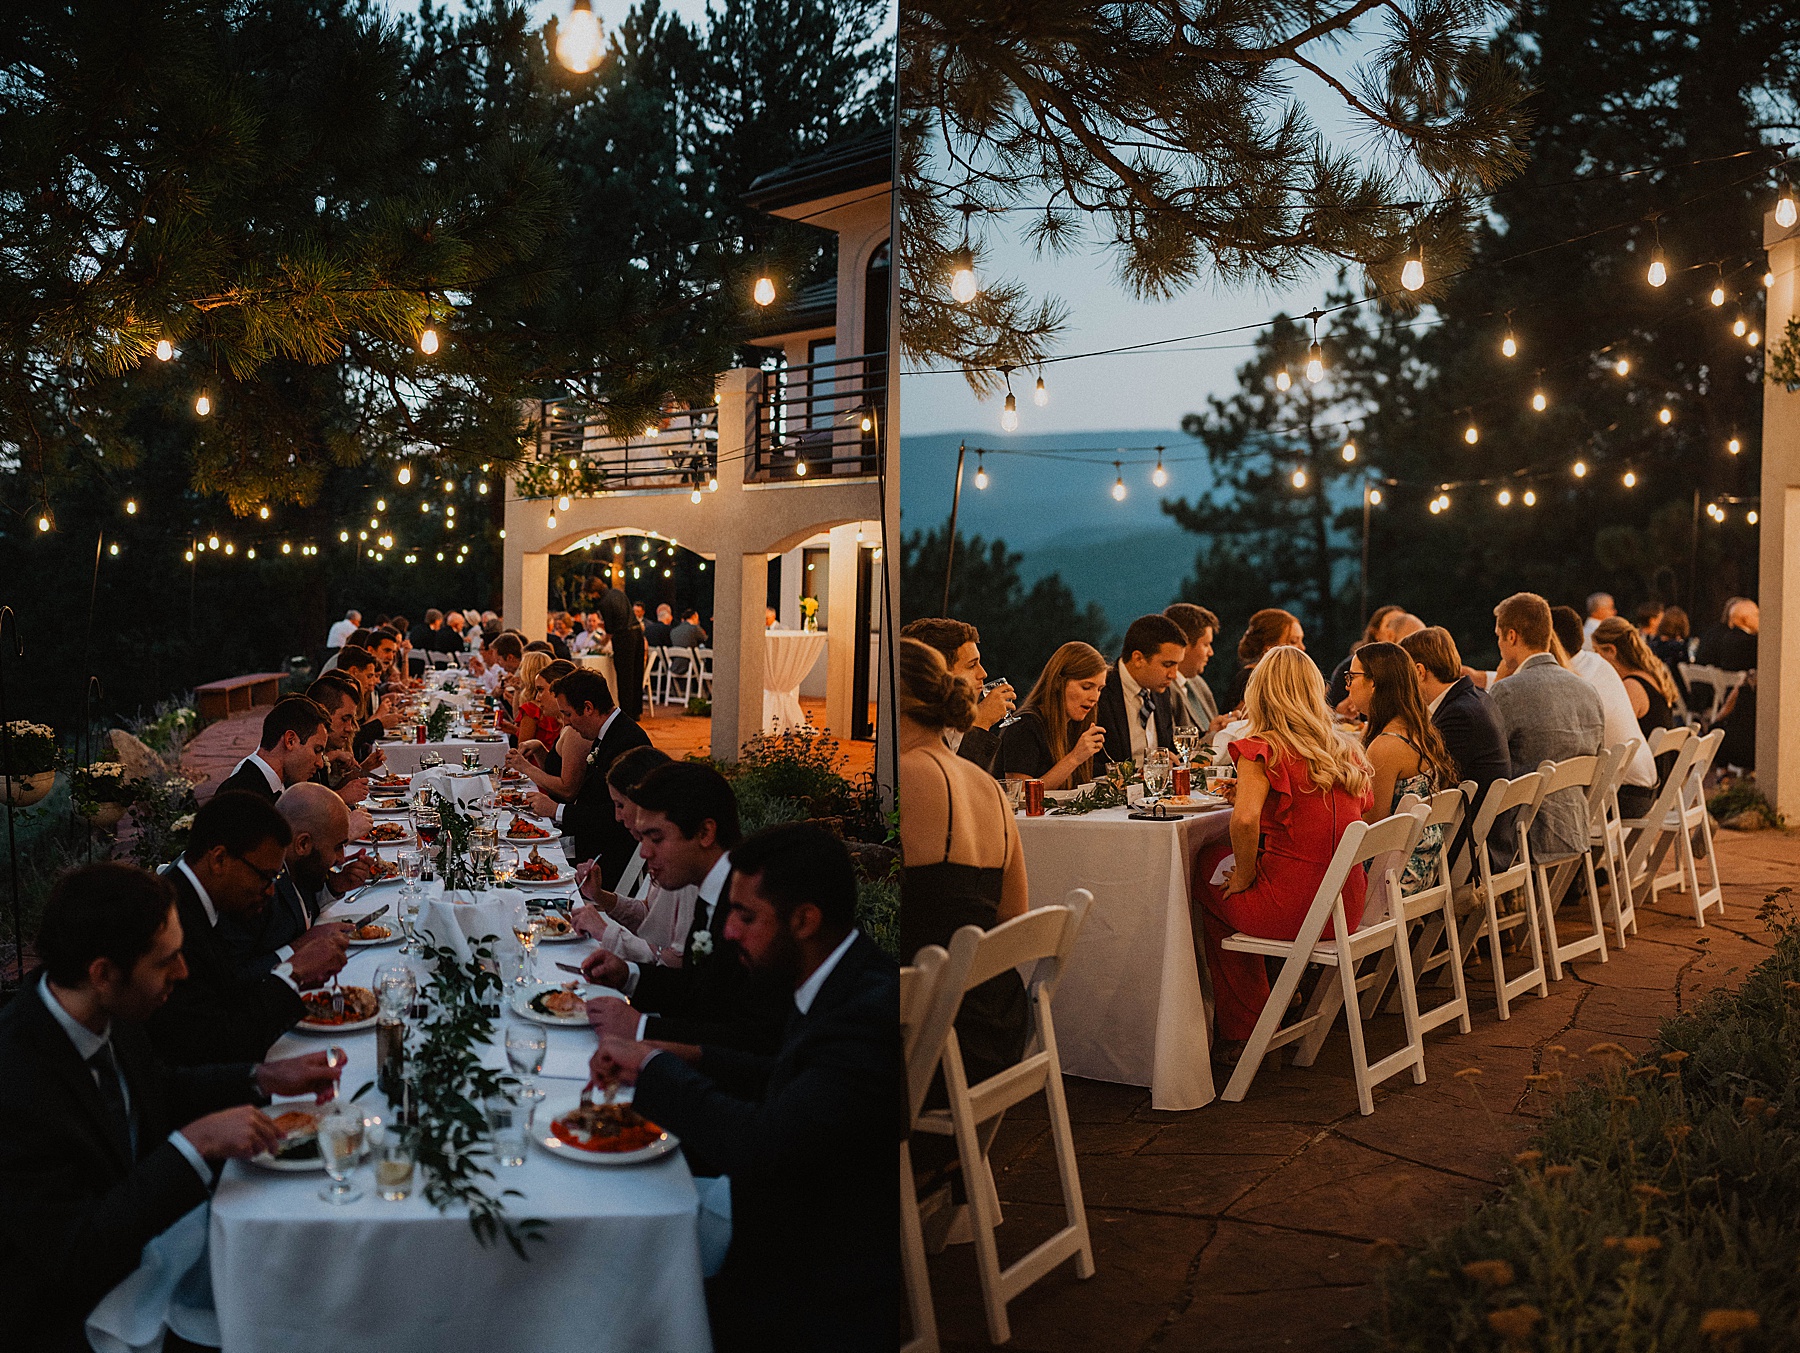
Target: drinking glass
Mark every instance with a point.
(341, 1133)
(425, 822)
(397, 988)
(525, 924)
(1015, 793)
(471, 758)
(526, 1045)
(1159, 768)
(1187, 741)
(395, 1164)
(507, 1125)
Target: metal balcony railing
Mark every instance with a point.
(809, 420)
(681, 450)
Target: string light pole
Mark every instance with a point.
(15, 650)
(962, 451)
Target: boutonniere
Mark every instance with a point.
(701, 947)
(593, 756)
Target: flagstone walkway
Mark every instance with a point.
(1248, 1226)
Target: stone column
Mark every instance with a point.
(840, 654)
(1778, 644)
(737, 710)
(533, 605)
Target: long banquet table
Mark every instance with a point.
(619, 1267)
(1132, 1005)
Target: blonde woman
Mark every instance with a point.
(963, 865)
(529, 726)
(1053, 737)
(1299, 788)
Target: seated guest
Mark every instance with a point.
(961, 848)
(557, 636)
(102, 1146)
(236, 850)
(1268, 629)
(524, 726)
(1299, 787)
(261, 941)
(809, 1135)
(344, 771)
(1671, 645)
(1378, 630)
(1647, 682)
(1637, 792)
(657, 631)
(1647, 616)
(1600, 606)
(1732, 648)
(292, 750)
(376, 718)
(641, 920)
(1135, 707)
(555, 767)
(959, 644)
(1404, 749)
(384, 643)
(1054, 738)
(1549, 714)
(339, 634)
(584, 702)
(688, 634)
(1195, 706)
(588, 638)
(1465, 717)
(687, 822)
(357, 638)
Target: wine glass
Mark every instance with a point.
(1187, 742)
(341, 1133)
(525, 925)
(426, 823)
(1159, 769)
(397, 988)
(526, 1044)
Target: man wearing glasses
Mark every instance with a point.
(221, 1012)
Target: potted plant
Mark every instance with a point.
(103, 791)
(28, 756)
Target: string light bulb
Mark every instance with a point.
(263, 512)
(1009, 415)
(1768, 280)
(578, 39)
(550, 521)
(1375, 497)
(203, 404)
(428, 341)
(1734, 445)
(562, 503)
(1118, 488)
(1412, 274)
(800, 469)
(212, 542)
(1504, 497)
(1349, 452)
(164, 350)
(403, 475)
(250, 553)
(230, 548)
(1623, 366)
(1471, 434)
(1718, 294)
(981, 474)
(190, 556)
(1299, 479)
(1509, 346)
(1529, 499)
(694, 497)
(1630, 480)
(763, 293)
(1039, 395)
(1665, 415)
(1750, 516)
(1539, 401)
(712, 484)
(1659, 271)
(286, 548)
(131, 507)
(1581, 469)
(963, 286)
(1315, 363)
(1282, 379)
(1786, 212)
(1740, 327)
(44, 522)
(1753, 338)
(1159, 476)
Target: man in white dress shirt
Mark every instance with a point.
(1136, 708)
(340, 633)
(1637, 792)
(1599, 607)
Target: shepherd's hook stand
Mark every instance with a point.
(6, 774)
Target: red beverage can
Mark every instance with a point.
(1034, 798)
(420, 735)
(1184, 781)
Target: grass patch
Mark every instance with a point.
(1658, 1207)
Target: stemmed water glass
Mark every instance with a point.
(341, 1132)
(526, 1044)
(525, 924)
(1159, 769)
(412, 870)
(1187, 742)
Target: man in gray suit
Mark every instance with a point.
(1549, 714)
(1195, 706)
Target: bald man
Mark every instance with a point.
(285, 930)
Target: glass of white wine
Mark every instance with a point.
(395, 1164)
(341, 1134)
(525, 924)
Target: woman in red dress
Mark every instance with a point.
(1299, 787)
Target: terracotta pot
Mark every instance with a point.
(24, 790)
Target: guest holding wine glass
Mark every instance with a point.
(1268, 629)
(1299, 787)
(1054, 737)
(1404, 749)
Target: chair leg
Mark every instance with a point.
(1495, 957)
(1063, 1139)
(1453, 948)
(1542, 895)
(912, 1261)
(982, 1216)
(1359, 1053)
(1688, 870)
(1593, 897)
(1267, 1025)
(1322, 1012)
(1714, 897)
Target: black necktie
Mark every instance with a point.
(112, 1095)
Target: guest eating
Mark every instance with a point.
(959, 644)
(585, 703)
(1403, 748)
(347, 766)
(292, 750)
(1268, 629)
(1054, 738)
(102, 1146)
(1299, 787)
(641, 921)
(1135, 707)
(808, 1136)
(311, 880)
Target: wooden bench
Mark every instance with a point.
(234, 695)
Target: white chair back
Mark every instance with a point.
(1721, 682)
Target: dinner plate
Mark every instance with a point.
(553, 1145)
(329, 1030)
(1202, 803)
(393, 936)
(511, 836)
(568, 938)
(563, 876)
(397, 808)
(521, 1004)
(406, 840)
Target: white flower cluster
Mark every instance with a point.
(107, 770)
(21, 728)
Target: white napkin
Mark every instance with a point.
(459, 789)
(132, 1317)
(453, 925)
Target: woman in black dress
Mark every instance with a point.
(1053, 737)
(1647, 680)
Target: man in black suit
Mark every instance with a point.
(321, 825)
(585, 703)
(1135, 708)
(687, 821)
(626, 632)
(1465, 717)
(219, 1012)
(808, 1136)
(294, 734)
(102, 1146)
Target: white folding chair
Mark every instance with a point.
(1649, 837)
(1718, 680)
(1389, 842)
(930, 994)
(1492, 832)
(654, 676)
(1044, 938)
(1577, 772)
(1607, 833)
(703, 667)
(1434, 909)
(1688, 816)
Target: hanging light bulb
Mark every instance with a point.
(1039, 395)
(1665, 415)
(1504, 497)
(190, 556)
(481, 487)
(1753, 338)
(1530, 498)
(404, 475)
(1349, 452)
(562, 503)
(1734, 445)
(1471, 434)
(981, 474)
(694, 497)
(1118, 488)
(712, 484)
(1412, 275)
(263, 511)
(1539, 401)
(550, 521)
(1630, 480)
(963, 286)
(800, 469)
(1623, 366)
(578, 39)
(1282, 379)
(131, 507)
(212, 542)
(1786, 213)
(1435, 506)
(763, 293)
(1375, 496)
(380, 506)
(164, 350)
(1509, 346)
(343, 536)
(1740, 327)
(44, 522)
(428, 341)
(230, 548)
(1768, 280)
(1750, 516)
(1299, 479)
(1718, 294)
(1580, 469)
(286, 548)
(1159, 476)
(1009, 415)
(250, 553)
(203, 404)
(1659, 271)
(1315, 363)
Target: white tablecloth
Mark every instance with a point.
(619, 1267)
(603, 664)
(403, 757)
(788, 655)
(1132, 1006)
